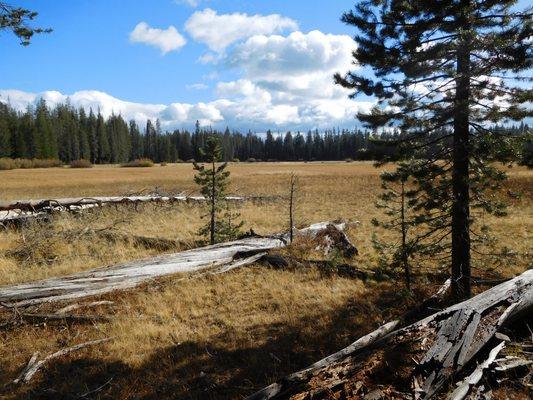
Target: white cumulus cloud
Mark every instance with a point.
(296, 54)
(284, 82)
(220, 31)
(165, 40)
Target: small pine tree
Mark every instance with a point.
(213, 182)
(394, 200)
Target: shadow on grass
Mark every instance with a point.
(197, 370)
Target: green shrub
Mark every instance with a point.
(139, 163)
(81, 163)
(251, 159)
(163, 164)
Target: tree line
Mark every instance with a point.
(68, 134)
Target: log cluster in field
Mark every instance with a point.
(214, 259)
(422, 360)
(24, 209)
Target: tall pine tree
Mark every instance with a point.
(452, 64)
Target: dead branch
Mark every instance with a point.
(75, 306)
(34, 366)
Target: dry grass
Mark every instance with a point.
(211, 337)
(327, 191)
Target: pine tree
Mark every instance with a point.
(17, 20)
(104, 153)
(213, 182)
(445, 66)
(5, 137)
(85, 149)
(92, 124)
(137, 149)
(396, 201)
(46, 138)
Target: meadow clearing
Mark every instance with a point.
(221, 336)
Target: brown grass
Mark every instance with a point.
(203, 338)
(211, 337)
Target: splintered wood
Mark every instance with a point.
(418, 361)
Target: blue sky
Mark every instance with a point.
(239, 63)
(182, 60)
(90, 49)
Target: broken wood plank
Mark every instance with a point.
(473, 379)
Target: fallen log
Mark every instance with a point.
(417, 361)
(76, 203)
(219, 257)
(20, 210)
(473, 379)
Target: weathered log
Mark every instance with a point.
(473, 379)
(420, 358)
(277, 389)
(87, 202)
(20, 210)
(34, 366)
(97, 281)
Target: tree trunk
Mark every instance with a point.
(461, 285)
(405, 255)
(213, 204)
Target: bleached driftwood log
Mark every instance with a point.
(418, 360)
(217, 258)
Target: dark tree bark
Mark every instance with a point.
(461, 286)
